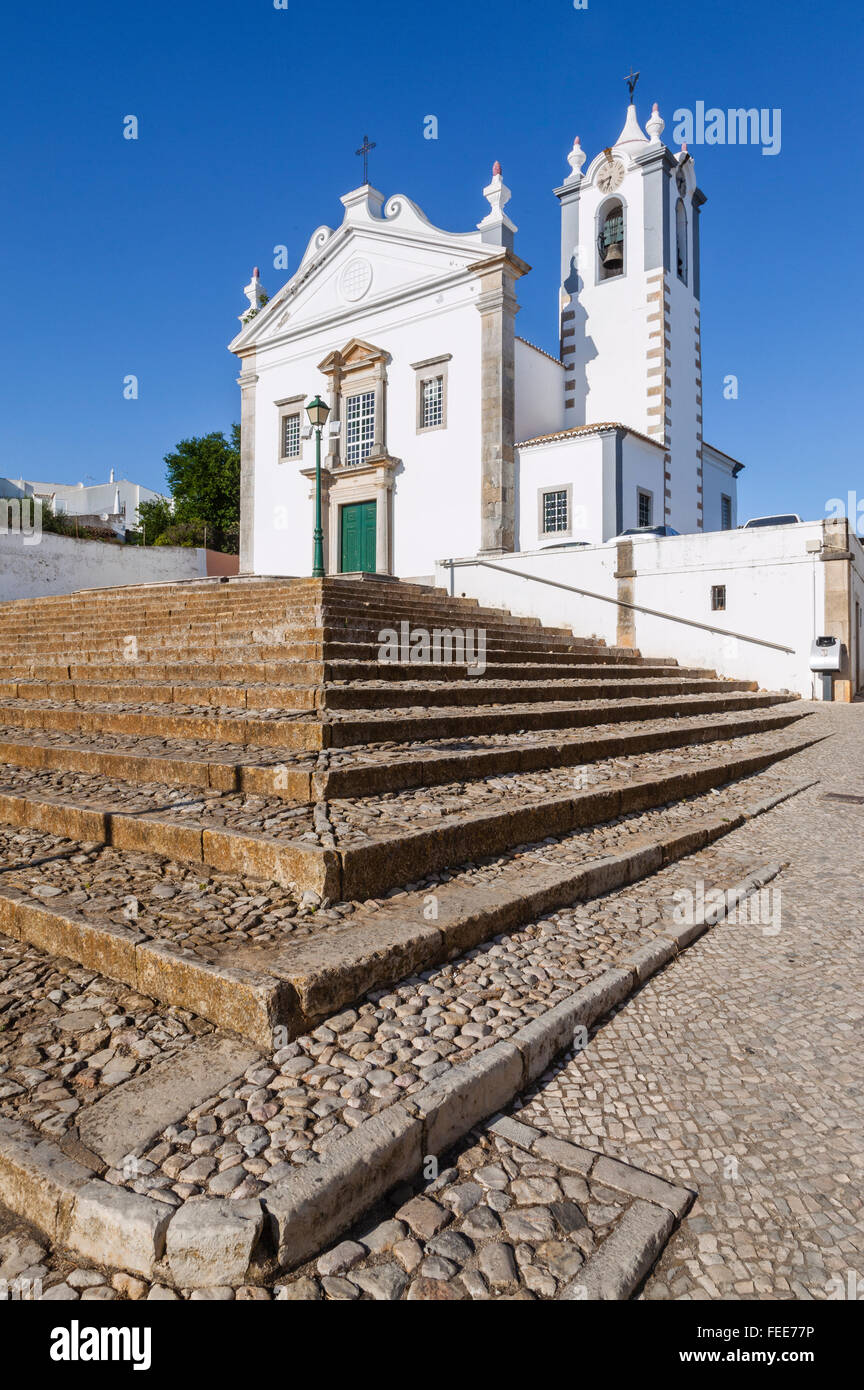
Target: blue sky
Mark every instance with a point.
(129, 257)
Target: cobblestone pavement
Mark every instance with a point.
(512, 1214)
(68, 1036)
(738, 1070)
(733, 1073)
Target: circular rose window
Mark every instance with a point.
(356, 279)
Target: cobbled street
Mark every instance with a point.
(738, 1072)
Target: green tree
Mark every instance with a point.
(204, 478)
(154, 519)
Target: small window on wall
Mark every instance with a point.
(291, 436)
(718, 598)
(725, 513)
(644, 508)
(554, 512)
(432, 376)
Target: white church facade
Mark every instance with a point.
(448, 433)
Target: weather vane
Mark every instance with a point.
(631, 79)
(364, 150)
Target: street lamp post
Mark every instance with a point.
(318, 410)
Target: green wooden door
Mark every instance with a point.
(357, 549)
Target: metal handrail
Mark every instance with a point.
(620, 603)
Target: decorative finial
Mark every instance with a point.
(655, 125)
(496, 225)
(576, 158)
(257, 296)
(631, 79)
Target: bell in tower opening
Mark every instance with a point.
(610, 242)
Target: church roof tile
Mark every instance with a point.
(601, 428)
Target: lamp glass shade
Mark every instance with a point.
(317, 410)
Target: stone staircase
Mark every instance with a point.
(346, 820)
(279, 920)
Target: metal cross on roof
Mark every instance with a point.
(364, 150)
(631, 79)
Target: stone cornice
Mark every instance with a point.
(504, 260)
(386, 464)
(347, 313)
(569, 189)
(654, 155)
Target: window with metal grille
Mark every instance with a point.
(359, 428)
(718, 598)
(555, 511)
(725, 513)
(433, 402)
(290, 436)
(644, 509)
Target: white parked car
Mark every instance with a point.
(782, 519)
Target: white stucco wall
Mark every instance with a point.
(717, 480)
(539, 392)
(641, 467)
(48, 564)
(587, 465)
(575, 463)
(775, 591)
(437, 488)
(612, 349)
(419, 302)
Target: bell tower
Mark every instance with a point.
(629, 302)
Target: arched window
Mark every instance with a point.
(610, 241)
(681, 239)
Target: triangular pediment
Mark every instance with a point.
(369, 260)
(356, 353)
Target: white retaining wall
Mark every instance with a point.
(775, 591)
(32, 565)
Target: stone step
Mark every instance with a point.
(363, 772)
(364, 860)
(381, 612)
(58, 682)
(380, 693)
(298, 669)
(352, 728)
(292, 982)
(298, 732)
(482, 691)
(285, 731)
(358, 774)
(242, 640)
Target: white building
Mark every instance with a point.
(117, 500)
(448, 433)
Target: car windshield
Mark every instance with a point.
(772, 521)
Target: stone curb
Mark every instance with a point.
(616, 1270)
(303, 1203)
(113, 1226)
